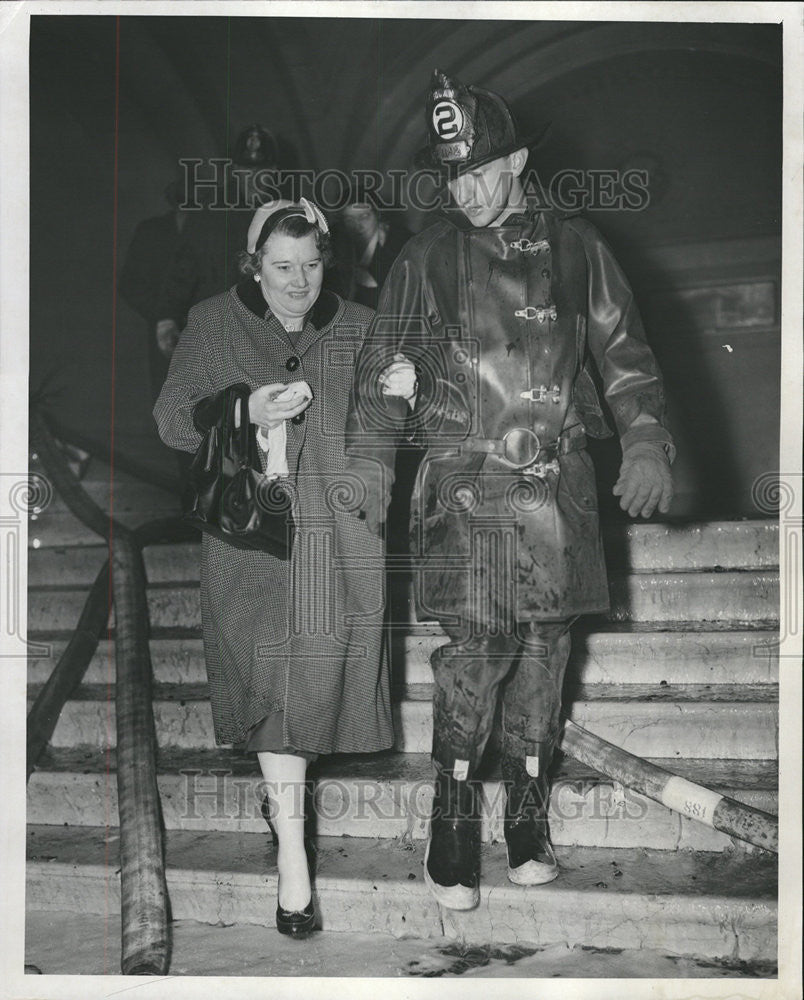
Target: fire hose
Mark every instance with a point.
(143, 887)
(686, 797)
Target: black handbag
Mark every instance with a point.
(226, 494)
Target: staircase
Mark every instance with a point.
(683, 671)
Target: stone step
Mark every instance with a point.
(637, 548)
(389, 795)
(79, 565)
(608, 653)
(119, 494)
(736, 597)
(97, 474)
(613, 655)
(679, 547)
(58, 528)
(667, 597)
(687, 903)
(739, 722)
(657, 597)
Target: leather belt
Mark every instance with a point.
(521, 449)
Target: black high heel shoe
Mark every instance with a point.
(296, 923)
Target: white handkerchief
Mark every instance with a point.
(275, 440)
(275, 443)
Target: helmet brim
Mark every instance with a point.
(423, 159)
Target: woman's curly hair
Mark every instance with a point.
(297, 227)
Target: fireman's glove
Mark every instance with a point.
(645, 479)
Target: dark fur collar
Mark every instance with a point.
(322, 313)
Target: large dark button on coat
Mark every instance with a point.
(292, 363)
(298, 419)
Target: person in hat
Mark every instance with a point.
(482, 350)
(205, 260)
(293, 649)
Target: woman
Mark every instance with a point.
(293, 648)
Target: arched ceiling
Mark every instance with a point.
(351, 89)
(690, 99)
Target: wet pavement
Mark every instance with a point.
(59, 943)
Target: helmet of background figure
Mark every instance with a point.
(255, 147)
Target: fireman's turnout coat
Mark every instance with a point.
(504, 325)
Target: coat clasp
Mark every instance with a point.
(526, 246)
(540, 394)
(540, 313)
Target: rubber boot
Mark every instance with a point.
(452, 858)
(531, 859)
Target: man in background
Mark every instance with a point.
(205, 261)
(142, 280)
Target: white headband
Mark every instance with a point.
(305, 209)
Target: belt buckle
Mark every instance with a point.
(522, 433)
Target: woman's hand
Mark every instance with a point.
(271, 404)
(399, 379)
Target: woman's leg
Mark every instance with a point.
(284, 775)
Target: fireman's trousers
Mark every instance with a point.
(469, 672)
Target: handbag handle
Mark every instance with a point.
(241, 436)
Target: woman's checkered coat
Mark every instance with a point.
(303, 636)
